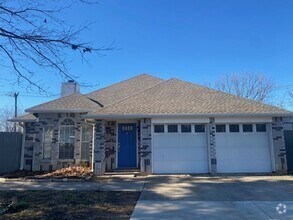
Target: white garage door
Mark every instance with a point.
(180, 151)
(242, 148)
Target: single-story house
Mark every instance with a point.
(157, 126)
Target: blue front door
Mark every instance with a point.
(126, 145)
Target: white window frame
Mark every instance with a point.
(85, 141)
(59, 139)
(44, 142)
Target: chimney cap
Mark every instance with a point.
(71, 81)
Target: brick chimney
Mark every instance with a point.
(68, 88)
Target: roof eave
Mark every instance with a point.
(58, 111)
(23, 120)
(133, 116)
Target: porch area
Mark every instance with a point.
(121, 145)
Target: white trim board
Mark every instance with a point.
(180, 120)
(243, 119)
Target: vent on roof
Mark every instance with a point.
(68, 88)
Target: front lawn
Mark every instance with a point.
(67, 204)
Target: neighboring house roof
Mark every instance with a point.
(24, 118)
(176, 97)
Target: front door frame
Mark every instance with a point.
(117, 133)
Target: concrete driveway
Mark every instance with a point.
(191, 197)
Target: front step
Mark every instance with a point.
(127, 171)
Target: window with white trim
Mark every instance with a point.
(261, 128)
(199, 128)
(234, 128)
(220, 128)
(159, 128)
(86, 131)
(66, 139)
(247, 128)
(185, 128)
(172, 128)
(47, 142)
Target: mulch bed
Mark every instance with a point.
(73, 172)
(67, 204)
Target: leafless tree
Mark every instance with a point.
(251, 86)
(290, 97)
(6, 113)
(32, 36)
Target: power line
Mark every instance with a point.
(33, 96)
(28, 93)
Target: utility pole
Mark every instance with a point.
(15, 95)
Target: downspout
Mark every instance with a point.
(22, 145)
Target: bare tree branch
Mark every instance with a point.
(6, 113)
(250, 86)
(32, 35)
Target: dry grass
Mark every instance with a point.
(68, 204)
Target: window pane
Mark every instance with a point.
(261, 128)
(67, 121)
(85, 151)
(247, 128)
(47, 142)
(220, 128)
(66, 151)
(199, 128)
(66, 139)
(172, 128)
(47, 147)
(234, 128)
(159, 128)
(186, 128)
(48, 134)
(86, 132)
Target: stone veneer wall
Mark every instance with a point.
(99, 148)
(145, 147)
(279, 145)
(110, 145)
(31, 130)
(33, 153)
(212, 145)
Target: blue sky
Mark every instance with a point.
(197, 41)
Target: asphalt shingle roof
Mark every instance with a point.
(148, 95)
(124, 89)
(71, 103)
(26, 117)
(102, 97)
(178, 97)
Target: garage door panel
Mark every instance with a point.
(180, 153)
(164, 140)
(243, 153)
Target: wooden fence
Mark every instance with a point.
(10, 151)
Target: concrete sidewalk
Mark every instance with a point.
(106, 183)
(188, 197)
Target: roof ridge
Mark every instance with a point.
(123, 81)
(165, 81)
(230, 94)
